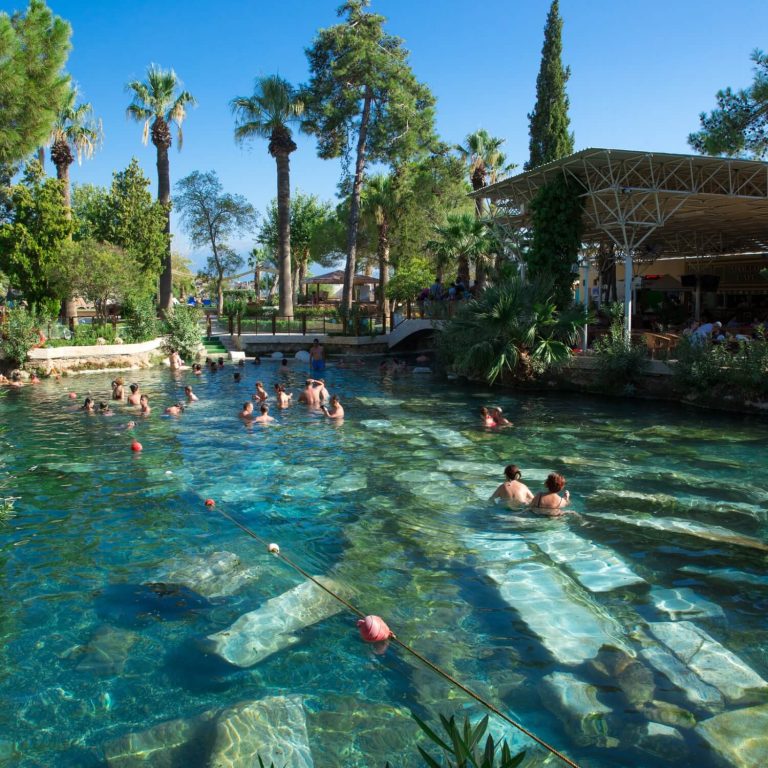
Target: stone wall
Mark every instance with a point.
(94, 358)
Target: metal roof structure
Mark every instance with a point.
(653, 203)
(337, 278)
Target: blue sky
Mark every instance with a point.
(640, 72)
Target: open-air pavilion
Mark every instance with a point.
(337, 278)
(645, 205)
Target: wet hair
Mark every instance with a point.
(103, 406)
(284, 361)
(221, 361)
(264, 408)
(187, 388)
(236, 375)
(315, 341)
(245, 406)
(16, 376)
(334, 399)
(134, 388)
(87, 402)
(484, 411)
(511, 472)
(555, 482)
(308, 382)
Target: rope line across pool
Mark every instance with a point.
(393, 638)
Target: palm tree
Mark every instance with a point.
(513, 328)
(259, 258)
(159, 104)
(485, 161)
(380, 203)
(266, 114)
(463, 238)
(75, 133)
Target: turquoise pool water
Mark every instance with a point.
(631, 634)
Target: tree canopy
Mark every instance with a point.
(550, 138)
(33, 85)
(739, 125)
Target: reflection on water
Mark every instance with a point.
(136, 620)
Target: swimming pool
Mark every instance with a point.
(631, 634)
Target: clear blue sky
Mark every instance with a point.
(640, 72)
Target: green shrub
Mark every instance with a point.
(19, 335)
(622, 361)
(140, 319)
(736, 371)
(184, 332)
(88, 334)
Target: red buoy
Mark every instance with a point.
(136, 446)
(73, 395)
(373, 629)
(210, 503)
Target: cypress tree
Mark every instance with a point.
(549, 123)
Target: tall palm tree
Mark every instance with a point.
(380, 203)
(485, 161)
(259, 258)
(266, 114)
(75, 133)
(159, 103)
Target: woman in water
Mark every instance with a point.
(550, 503)
(88, 405)
(118, 391)
(512, 490)
(283, 398)
(488, 420)
(261, 394)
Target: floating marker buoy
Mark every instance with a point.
(274, 549)
(136, 446)
(373, 629)
(210, 503)
(73, 395)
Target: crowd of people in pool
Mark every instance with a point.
(552, 502)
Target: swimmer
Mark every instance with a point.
(130, 425)
(174, 360)
(144, 405)
(261, 394)
(236, 377)
(256, 360)
(247, 412)
(283, 398)
(175, 410)
(190, 395)
(197, 369)
(118, 390)
(551, 503)
(499, 418)
(335, 411)
(16, 381)
(309, 394)
(512, 490)
(105, 410)
(4, 379)
(241, 363)
(264, 417)
(135, 397)
(33, 379)
(284, 370)
(324, 394)
(221, 362)
(88, 405)
(488, 420)
(316, 357)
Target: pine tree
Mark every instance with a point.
(549, 123)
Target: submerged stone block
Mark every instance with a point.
(575, 703)
(682, 601)
(712, 662)
(272, 627)
(274, 729)
(218, 574)
(740, 737)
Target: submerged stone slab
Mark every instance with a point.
(682, 601)
(272, 627)
(499, 549)
(447, 437)
(740, 737)
(730, 575)
(686, 527)
(575, 703)
(569, 624)
(274, 729)
(216, 575)
(712, 662)
(694, 688)
(348, 483)
(597, 568)
(106, 652)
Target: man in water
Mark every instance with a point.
(264, 417)
(175, 410)
(309, 394)
(316, 357)
(144, 405)
(335, 411)
(247, 412)
(191, 396)
(135, 397)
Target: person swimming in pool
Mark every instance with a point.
(334, 411)
(135, 397)
(550, 503)
(488, 420)
(264, 417)
(261, 394)
(144, 405)
(190, 395)
(512, 490)
(247, 412)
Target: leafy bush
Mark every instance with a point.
(512, 328)
(464, 747)
(737, 371)
(140, 319)
(19, 335)
(622, 361)
(88, 334)
(184, 332)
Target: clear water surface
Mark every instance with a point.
(579, 628)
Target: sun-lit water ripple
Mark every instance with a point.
(98, 644)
